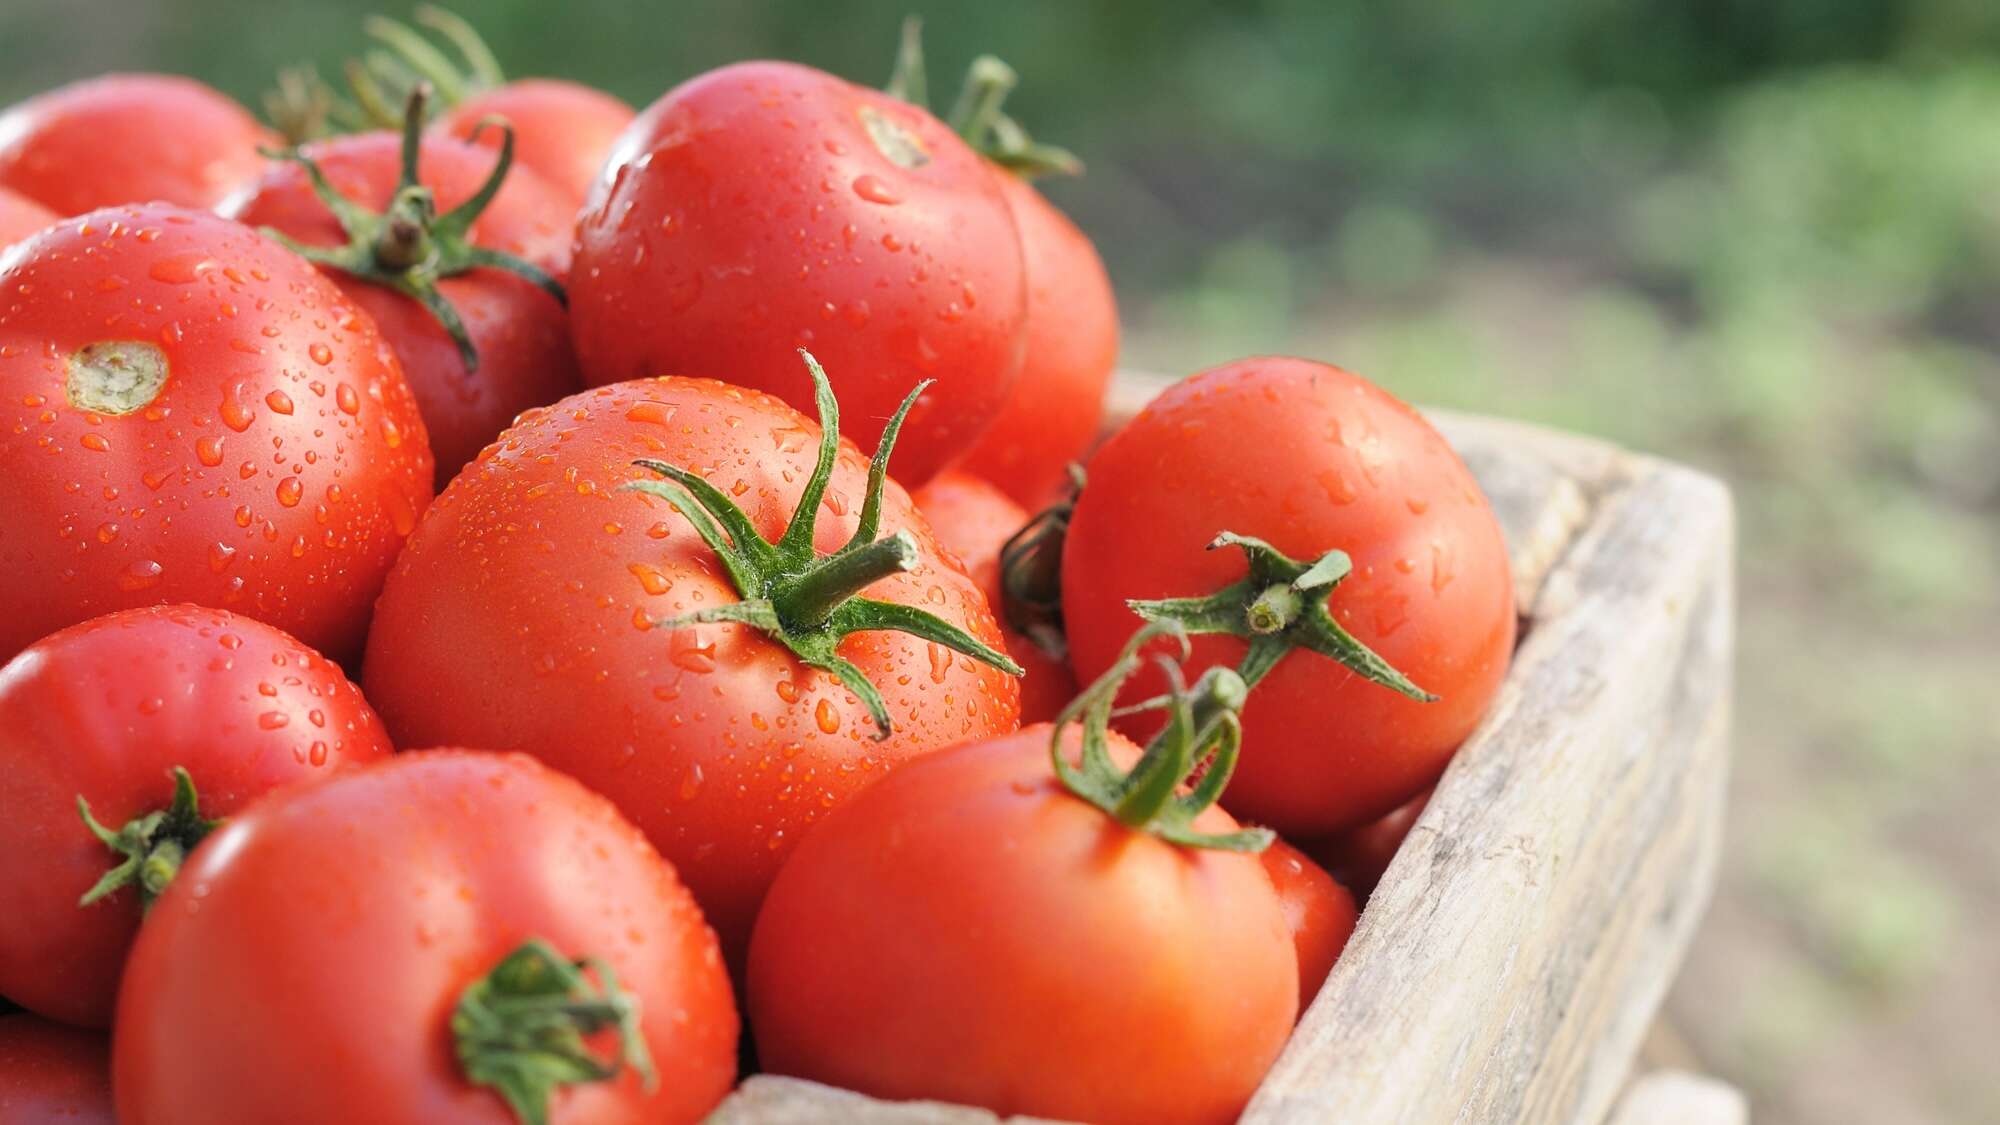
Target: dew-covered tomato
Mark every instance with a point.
(1369, 547)
(974, 519)
(443, 937)
(531, 612)
(190, 413)
(53, 1075)
(20, 217)
(108, 711)
(563, 130)
(1052, 416)
(1318, 910)
(979, 928)
(128, 138)
(466, 298)
(767, 206)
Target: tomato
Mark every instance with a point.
(974, 519)
(512, 349)
(1359, 856)
(979, 928)
(1318, 911)
(50, 1073)
(107, 711)
(767, 206)
(1311, 460)
(128, 138)
(527, 615)
(362, 950)
(563, 129)
(1053, 414)
(190, 413)
(21, 217)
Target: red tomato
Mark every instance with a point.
(50, 1073)
(974, 519)
(21, 217)
(128, 138)
(1052, 417)
(1319, 912)
(105, 711)
(1359, 856)
(975, 929)
(719, 741)
(764, 207)
(190, 413)
(330, 956)
(563, 130)
(518, 332)
(1313, 460)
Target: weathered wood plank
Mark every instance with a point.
(771, 1100)
(1510, 961)
(1675, 1097)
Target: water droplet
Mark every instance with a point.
(650, 412)
(208, 450)
(94, 442)
(1339, 490)
(220, 555)
(106, 532)
(152, 705)
(940, 661)
(691, 782)
(650, 579)
(141, 575)
(392, 434)
(827, 718)
(345, 398)
(871, 188)
(321, 354)
(279, 402)
(788, 691)
(289, 491)
(1442, 568)
(317, 756)
(235, 415)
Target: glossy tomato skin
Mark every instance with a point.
(53, 1074)
(105, 710)
(327, 932)
(1310, 458)
(713, 739)
(20, 217)
(274, 472)
(562, 130)
(1318, 911)
(126, 139)
(1359, 856)
(748, 212)
(1052, 416)
(520, 332)
(966, 930)
(974, 520)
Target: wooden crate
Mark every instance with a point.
(1517, 949)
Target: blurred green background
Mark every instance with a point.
(1761, 236)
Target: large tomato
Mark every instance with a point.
(974, 519)
(412, 250)
(1309, 460)
(371, 949)
(1318, 910)
(21, 217)
(979, 928)
(563, 129)
(527, 614)
(766, 206)
(128, 138)
(52, 1074)
(188, 412)
(107, 711)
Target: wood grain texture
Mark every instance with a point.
(1515, 952)
(1675, 1097)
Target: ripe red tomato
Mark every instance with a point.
(106, 711)
(1319, 912)
(766, 206)
(1359, 856)
(1313, 460)
(128, 138)
(563, 130)
(517, 333)
(1053, 414)
(974, 519)
(50, 1073)
(190, 413)
(979, 929)
(20, 217)
(360, 942)
(720, 741)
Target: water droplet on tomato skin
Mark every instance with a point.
(141, 575)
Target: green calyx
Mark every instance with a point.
(1202, 730)
(1279, 607)
(520, 1029)
(1031, 573)
(977, 115)
(153, 846)
(408, 246)
(804, 601)
(303, 107)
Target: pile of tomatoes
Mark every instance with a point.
(687, 742)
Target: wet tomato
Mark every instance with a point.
(563, 130)
(1318, 910)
